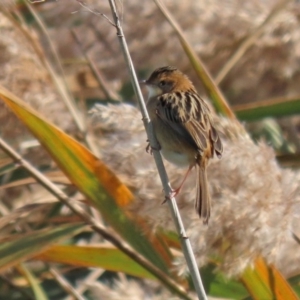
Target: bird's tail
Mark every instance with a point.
(202, 204)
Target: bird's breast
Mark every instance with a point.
(173, 145)
(179, 159)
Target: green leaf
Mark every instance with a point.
(217, 285)
(22, 248)
(107, 258)
(266, 282)
(277, 107)
(34, 283)
(295, 283)
(269, 130)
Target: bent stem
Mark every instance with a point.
(95, 225)
(185, 242)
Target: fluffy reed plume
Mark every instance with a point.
(214, 28)
(23, 74)
(253, 200)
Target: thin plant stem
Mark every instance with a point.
(65, 284)
(185, 242)
(58, 82)
(101, 80)
(91, 279)
(45, 32)
(37, 289)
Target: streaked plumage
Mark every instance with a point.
(183, 127)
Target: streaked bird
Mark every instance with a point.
(184, 129)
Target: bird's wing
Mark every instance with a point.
(189, 116)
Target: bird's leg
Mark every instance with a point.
(175, 192)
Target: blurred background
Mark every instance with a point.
(49, 49)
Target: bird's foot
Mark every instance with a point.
(150, 149)
(173, 193)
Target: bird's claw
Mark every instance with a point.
(171, 195)
(150, 149)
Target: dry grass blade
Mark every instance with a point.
(60, 84)
(108, 93)
(55, 176)
(21, 214)
(211, 88)
(91, 279)
(61, 88)
(65, 284)
(249, 41)
(5, 161)
(47, 36)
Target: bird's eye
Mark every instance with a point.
(163, 83)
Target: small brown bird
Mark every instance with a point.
(183, 127)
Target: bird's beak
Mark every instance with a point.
(153, 90)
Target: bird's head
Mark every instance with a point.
(166, 80)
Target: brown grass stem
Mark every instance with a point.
(65, 284)
(97, 227)
(58, 82)
(108, 93)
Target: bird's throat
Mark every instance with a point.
(153, 91)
